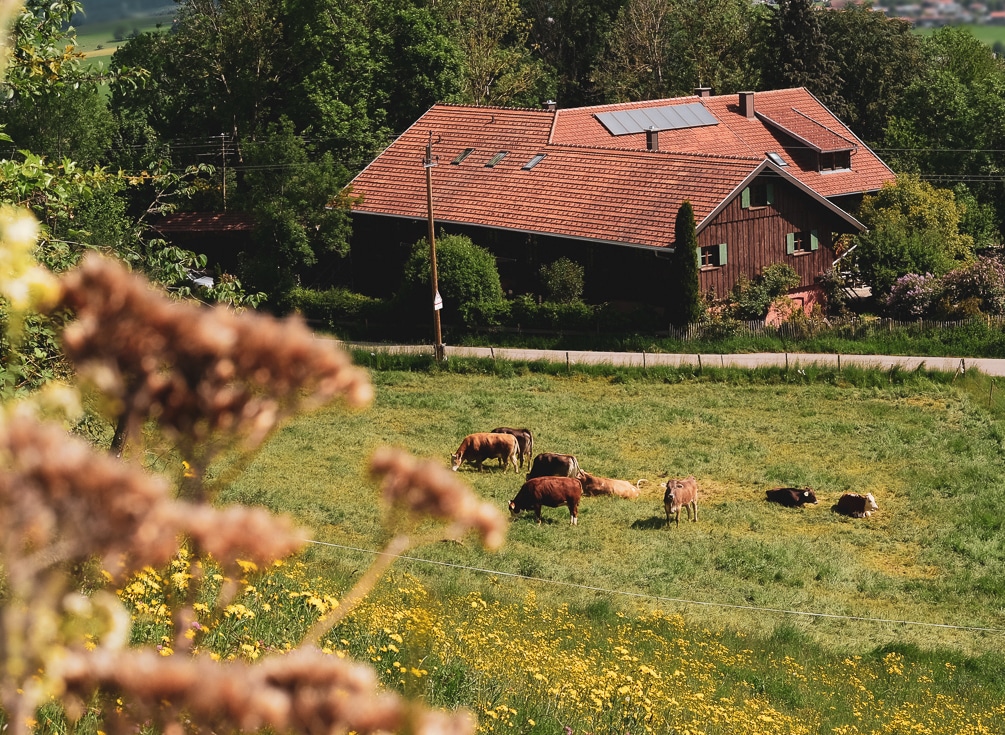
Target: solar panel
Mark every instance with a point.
(669, 117)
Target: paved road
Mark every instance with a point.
(989, 366)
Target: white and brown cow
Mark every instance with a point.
(856, 506)
(476, 448)
(593, 485)
(681, 493)
(550, 491)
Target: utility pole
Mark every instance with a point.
(438, 346)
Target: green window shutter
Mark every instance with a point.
(771, 193)
(745, 198)
(697, 252)
(790, 243)
(722, 253)
(814, 240)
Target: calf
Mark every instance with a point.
(477, 448)
(549, 464)
(525, 442)
(606, 486)
(550, 491)
(856, 506)
(681, 494)
(791, 497)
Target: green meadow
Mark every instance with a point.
(781, 620)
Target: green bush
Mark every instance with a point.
(528, 314)
(562, 281)
(752, 299)
(467, 278)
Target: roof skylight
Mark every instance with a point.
(533, 162)
(776, 159)
(462, 155)
(496, 158)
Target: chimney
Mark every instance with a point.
(747, 105)
(652, 138)
(703, 92)
(550, 105)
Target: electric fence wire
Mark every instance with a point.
(662, 598)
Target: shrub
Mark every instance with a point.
(981, 285)
(562, 281)
(529, 314)
(467, 277)
(913, 296)
(751, 299)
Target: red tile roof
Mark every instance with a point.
(205, 222)
(592, 185)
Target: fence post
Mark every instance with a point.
(699, 362)
(786, 362)
(643, 359)
(991, 392)
(839, 363)
(568, 365)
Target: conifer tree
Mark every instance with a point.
(796, 53)
(684, 295)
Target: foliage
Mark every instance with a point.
(977, 219)
(498, 68)
(751, 299)
(913, 228)
(467, 277)
(683, 295)
(977, 288)
(562, 281)
(913, 296)
(877, 58)
(795, 52)
(293, 194)
(661, 49)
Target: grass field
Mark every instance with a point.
(109, 35)
(620, 607)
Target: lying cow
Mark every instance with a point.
(525, 442)
(550, 491)
(549, 464)
(593, 485)
(476, 448)
(791, 497)
(856, 506)
(681, 493)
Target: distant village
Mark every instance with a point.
(935, 13)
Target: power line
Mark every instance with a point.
(660, 598)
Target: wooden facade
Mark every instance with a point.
(754, 235)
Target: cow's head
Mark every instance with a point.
(512, 507)
(808, 496)
(455, 461)
(871, 502)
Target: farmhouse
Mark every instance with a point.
(772, 178)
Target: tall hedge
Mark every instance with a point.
(683, 299)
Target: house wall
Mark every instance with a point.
(756, 237)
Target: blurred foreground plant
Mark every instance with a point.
(209, 381)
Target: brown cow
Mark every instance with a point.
(549, 464)
(593, 485)
(681, 493)
(856, 506)
(524, 439)
(550, 491)
(477, 448)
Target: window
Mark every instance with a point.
(800, 243)
(776, 159)
(835, 161)
(462, 155)
(712, 256)
(533, 162)
(496, 158)
(759, 194)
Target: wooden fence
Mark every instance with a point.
(848, 327)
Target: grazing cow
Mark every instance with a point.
(791, 497)
(477, 448)
(524, 439)
(550, 491)
(681, 493)
(554, 465)
(593, 485)
(856, 506)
